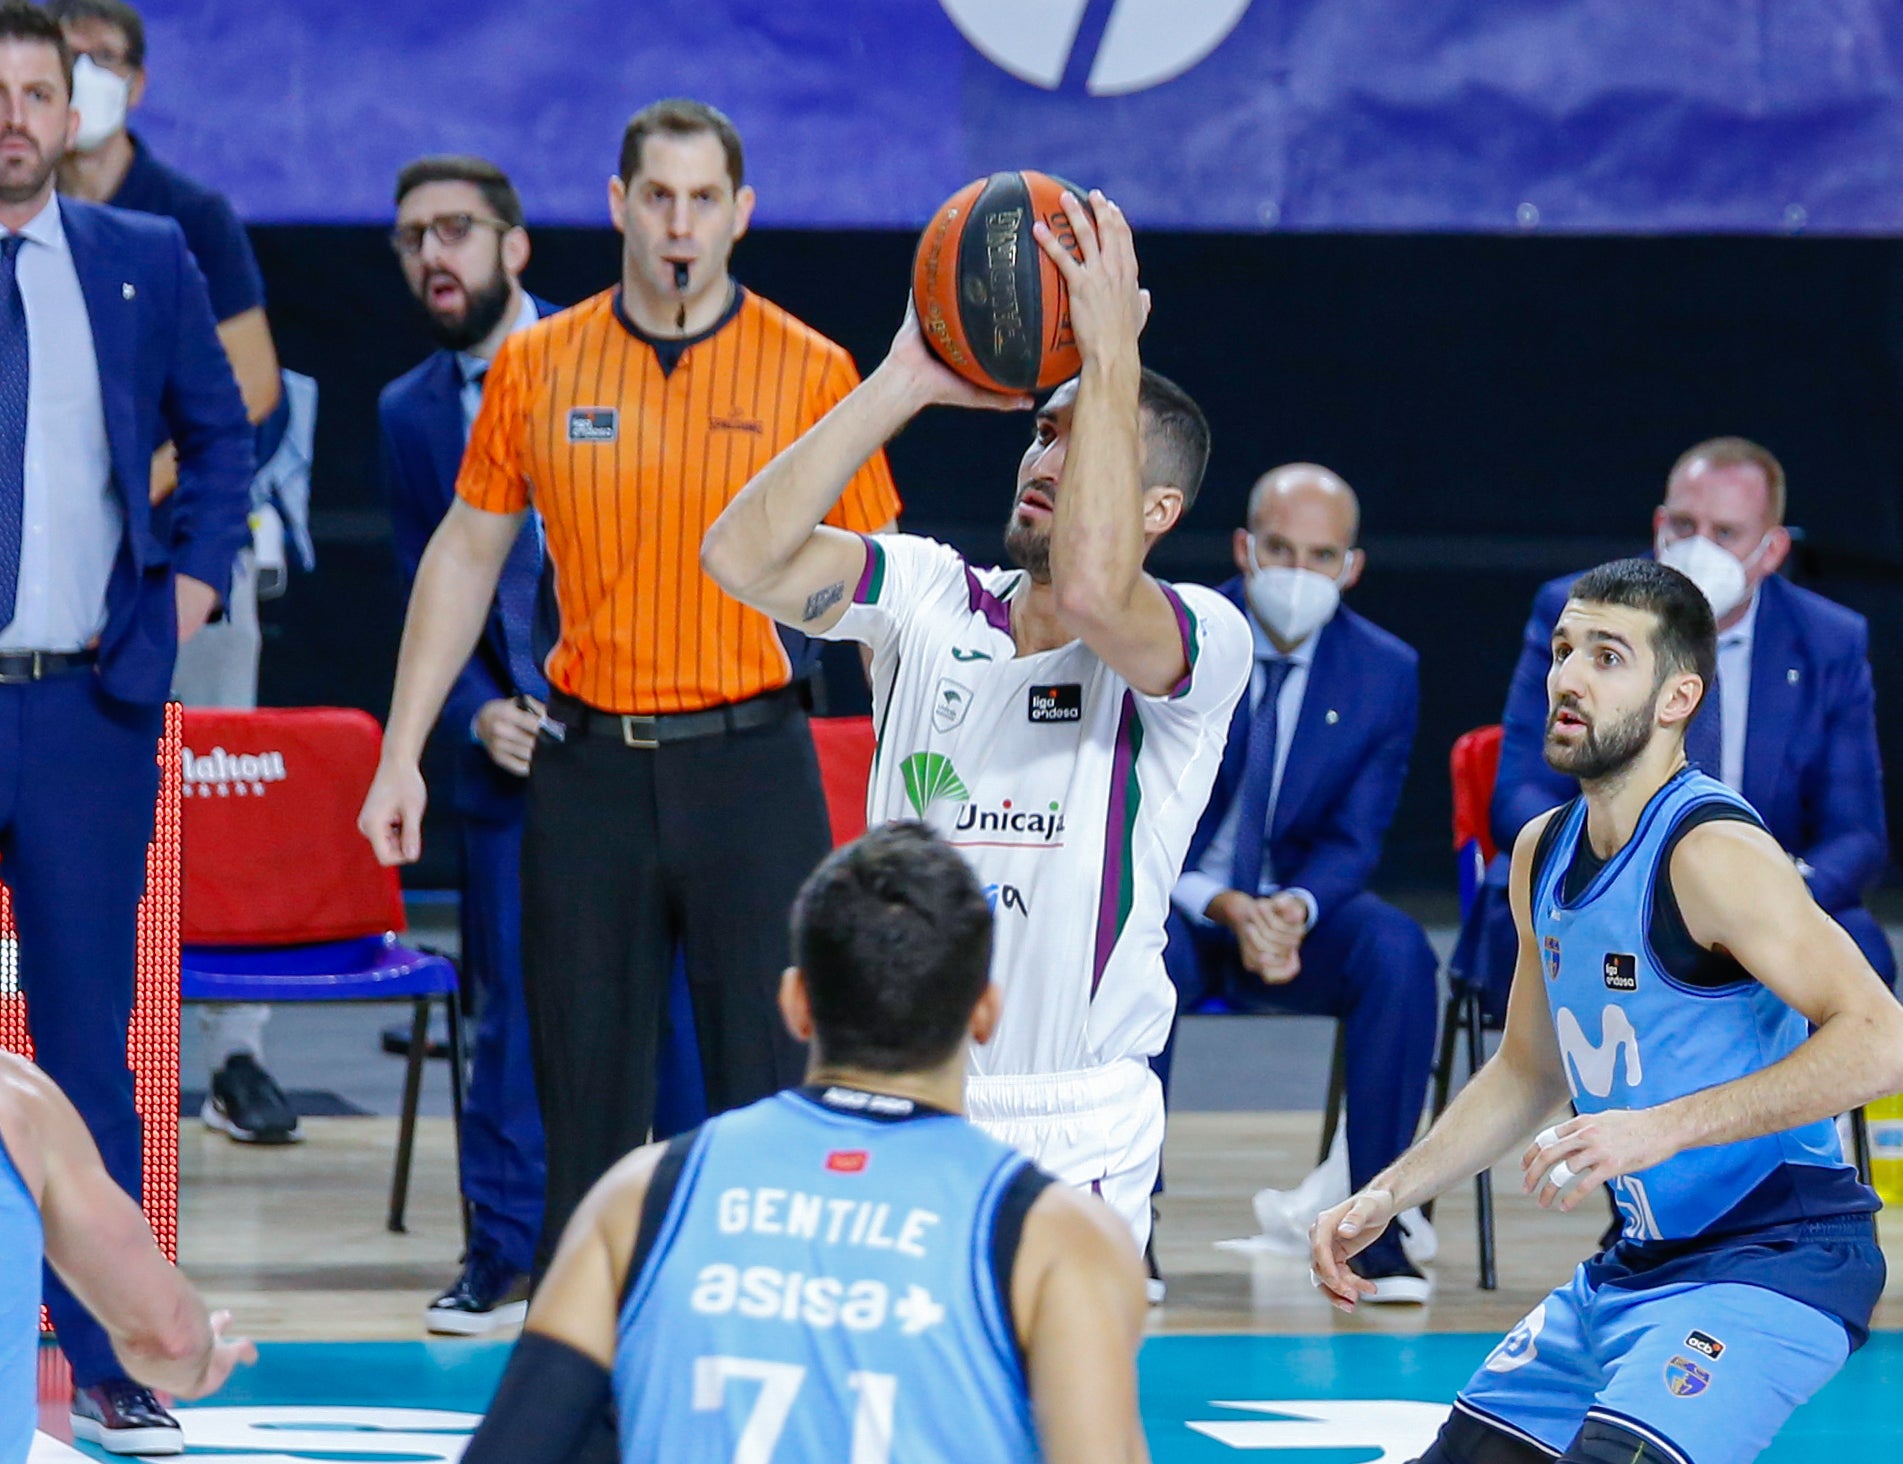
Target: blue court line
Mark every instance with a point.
(1858, 1417)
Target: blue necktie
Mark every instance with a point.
(1705, 738)
(13, 385)
(1258, 781)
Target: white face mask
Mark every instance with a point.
(1716, 571)
(101, 98)
(1292, 603)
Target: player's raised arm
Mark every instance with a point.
(1077, 1294)
(770, 547)
(1499, 1108)
(1106, 514)
(1740, 894)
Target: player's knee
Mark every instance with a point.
(1464, 1439)
(1601, 1441)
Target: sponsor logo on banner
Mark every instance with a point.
(221, 774)
(1061, 703)
(1594, 1065)
(1685, 1378)
(593, 424)
(930, 778)
(1621, 972)
(1012, 824)
(1144, 43)
(949, 704)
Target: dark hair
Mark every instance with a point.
(20, 21)
(893, 936)
(1175, 436)
(489, 180)
(112, 12)
(681, 117)
(1684, 635)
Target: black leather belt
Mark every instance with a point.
(21, 666)
(578, 719)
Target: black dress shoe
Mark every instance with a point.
(486, 1296)
(123, 1418)
(247, 1104)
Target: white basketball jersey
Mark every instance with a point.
(1072, 795)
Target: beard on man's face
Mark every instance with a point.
(482, 310)
(1599, 754)
(1029, 548)
(21, 179)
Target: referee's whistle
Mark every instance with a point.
(555, 731)
(681, 269)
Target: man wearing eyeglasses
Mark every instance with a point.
(460, 241)
(219, 667)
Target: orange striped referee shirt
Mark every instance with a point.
(629, 464)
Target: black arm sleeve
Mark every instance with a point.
(552, 1407)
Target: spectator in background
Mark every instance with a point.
(107, 348)
(1790, 722)
(460, 241)
(109, 164)
(1272, 911)
(675, 798)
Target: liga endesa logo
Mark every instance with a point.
(1144, 43)
(221, 774)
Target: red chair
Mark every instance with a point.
(845, 746)
(1475, 767)
(283, 900)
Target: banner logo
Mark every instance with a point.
(1145, 42)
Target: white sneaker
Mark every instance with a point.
(1283, 1216)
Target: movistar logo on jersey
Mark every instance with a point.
(929, 778)
(1019, 825)
(1594, 1065)
(1143, 43)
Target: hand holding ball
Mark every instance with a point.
(991, 304)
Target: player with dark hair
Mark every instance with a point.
(1060, 723)
(849, 1266)
(1707, 1019)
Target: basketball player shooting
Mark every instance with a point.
(1060, 723)
(1707, 1019)
(57, 1203)
(847, 1271)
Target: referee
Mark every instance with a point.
(674, 797)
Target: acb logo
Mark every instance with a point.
(1144, 44)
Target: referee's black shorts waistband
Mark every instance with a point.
(576, 718)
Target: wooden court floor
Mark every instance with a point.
(292, 1240)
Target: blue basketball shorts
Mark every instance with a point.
(1708, 1371)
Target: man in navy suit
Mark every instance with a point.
(1272, 910)
(107, 349)
(1791, 723)
(460, 240)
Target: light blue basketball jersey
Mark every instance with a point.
(1632, 1036)
(22, 1246)
(824, 1285)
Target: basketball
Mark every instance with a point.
(990, 302)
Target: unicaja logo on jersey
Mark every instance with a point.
(930, 777)
(1012, 823)
(1145, 42)
(222, 774)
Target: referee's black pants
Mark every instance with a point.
(627, 851)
